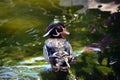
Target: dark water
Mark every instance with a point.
(22, 25)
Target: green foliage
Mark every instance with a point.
(89, 69)
(102, 36)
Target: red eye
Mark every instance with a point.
(58, 27)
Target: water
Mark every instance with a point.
(19, 73)
(27, 69)
(30, 69)
(22, 25)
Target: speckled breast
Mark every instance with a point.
(56, 45)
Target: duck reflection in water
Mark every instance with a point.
(57, 50)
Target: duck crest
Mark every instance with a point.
(56, 30)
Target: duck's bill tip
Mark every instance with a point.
(66, 32)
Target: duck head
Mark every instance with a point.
(56, 30)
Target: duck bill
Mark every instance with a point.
(65, 31)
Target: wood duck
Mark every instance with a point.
(57, 50)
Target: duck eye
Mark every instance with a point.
(59, 28)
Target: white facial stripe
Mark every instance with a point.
(48, 32)
(57, 33)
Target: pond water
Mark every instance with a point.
(22, 25)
